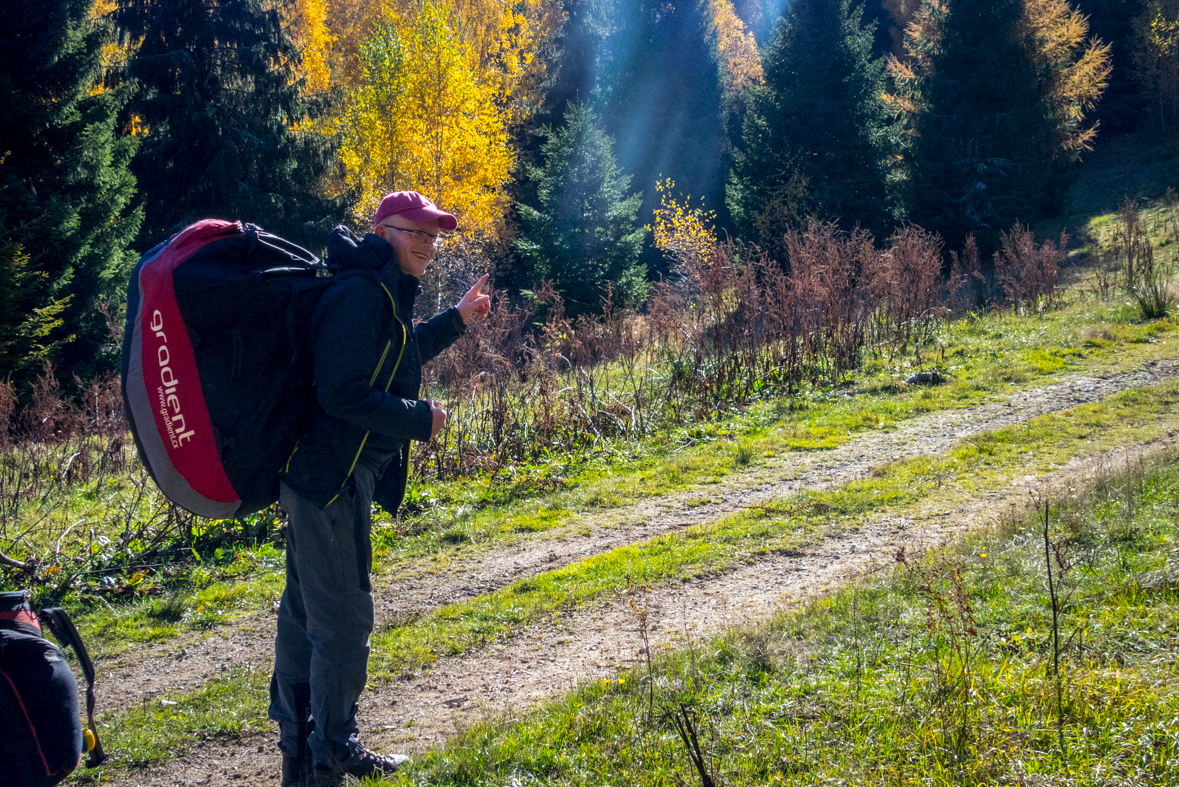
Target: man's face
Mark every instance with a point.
(414, 251)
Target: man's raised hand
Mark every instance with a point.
(439, 418)
(474, 303)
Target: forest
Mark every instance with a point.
(585, 144)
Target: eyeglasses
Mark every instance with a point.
(437, 241)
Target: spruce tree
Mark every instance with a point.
(582, 233)
(223, 122)
(659, 95)
(817, 139)
(995, 93)
(982, 131)
(65, 187)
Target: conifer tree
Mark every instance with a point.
(582, 234)
(817, 138)
(1156, 57)
(223, 120)
(657, 86)
(655, 74)
(65, 187)
(995, 93)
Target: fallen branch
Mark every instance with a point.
(8, 561)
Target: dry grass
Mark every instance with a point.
(731, 326)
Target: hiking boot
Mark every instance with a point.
(295, 771)
(364, 764)
(297, 768)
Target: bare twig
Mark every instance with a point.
(1048, 552)
(686, 727)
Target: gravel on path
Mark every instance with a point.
(424, 709)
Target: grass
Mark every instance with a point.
(980, 462)
(225, 708)
(991, 357)
(981, 356)
(937, 673)
(193, 606)
(985, 460)
(158, 608)
(817, 696)
(203, 601)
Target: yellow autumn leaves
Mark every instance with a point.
(735, 48)
(680, 230)
(422, 120)
(431, 91)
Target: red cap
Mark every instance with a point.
(414, 207)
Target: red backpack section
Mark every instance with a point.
(162, 384)
(211, 371)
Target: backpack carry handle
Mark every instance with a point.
(56, 619)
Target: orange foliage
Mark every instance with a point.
(735, 50)
(1074, 72)
(902, 13)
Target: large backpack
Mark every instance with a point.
(213, 375)
(41, 735)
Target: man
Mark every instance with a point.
(367, 357)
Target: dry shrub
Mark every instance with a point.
(968, 287)
(910, 284)
(8, 414)
(1133, 249)
(1028, 273)
(54, 442)
(724, 329)
(1106, 273)
(729, 325)
(48, 415)
(834, 287)
(1171, 220)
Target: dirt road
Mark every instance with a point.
(423, 709)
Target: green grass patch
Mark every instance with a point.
(1034, 446)
(227, 708)
(991, 354)
(938, 673)
(698, 550)
(981, 356)
(201, 598)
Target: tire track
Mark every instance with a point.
(502, 681)
(146, 674)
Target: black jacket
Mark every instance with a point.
(368, 358)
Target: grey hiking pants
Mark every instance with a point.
(324, 620)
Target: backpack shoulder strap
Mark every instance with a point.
(376, 375)
(67, 634)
